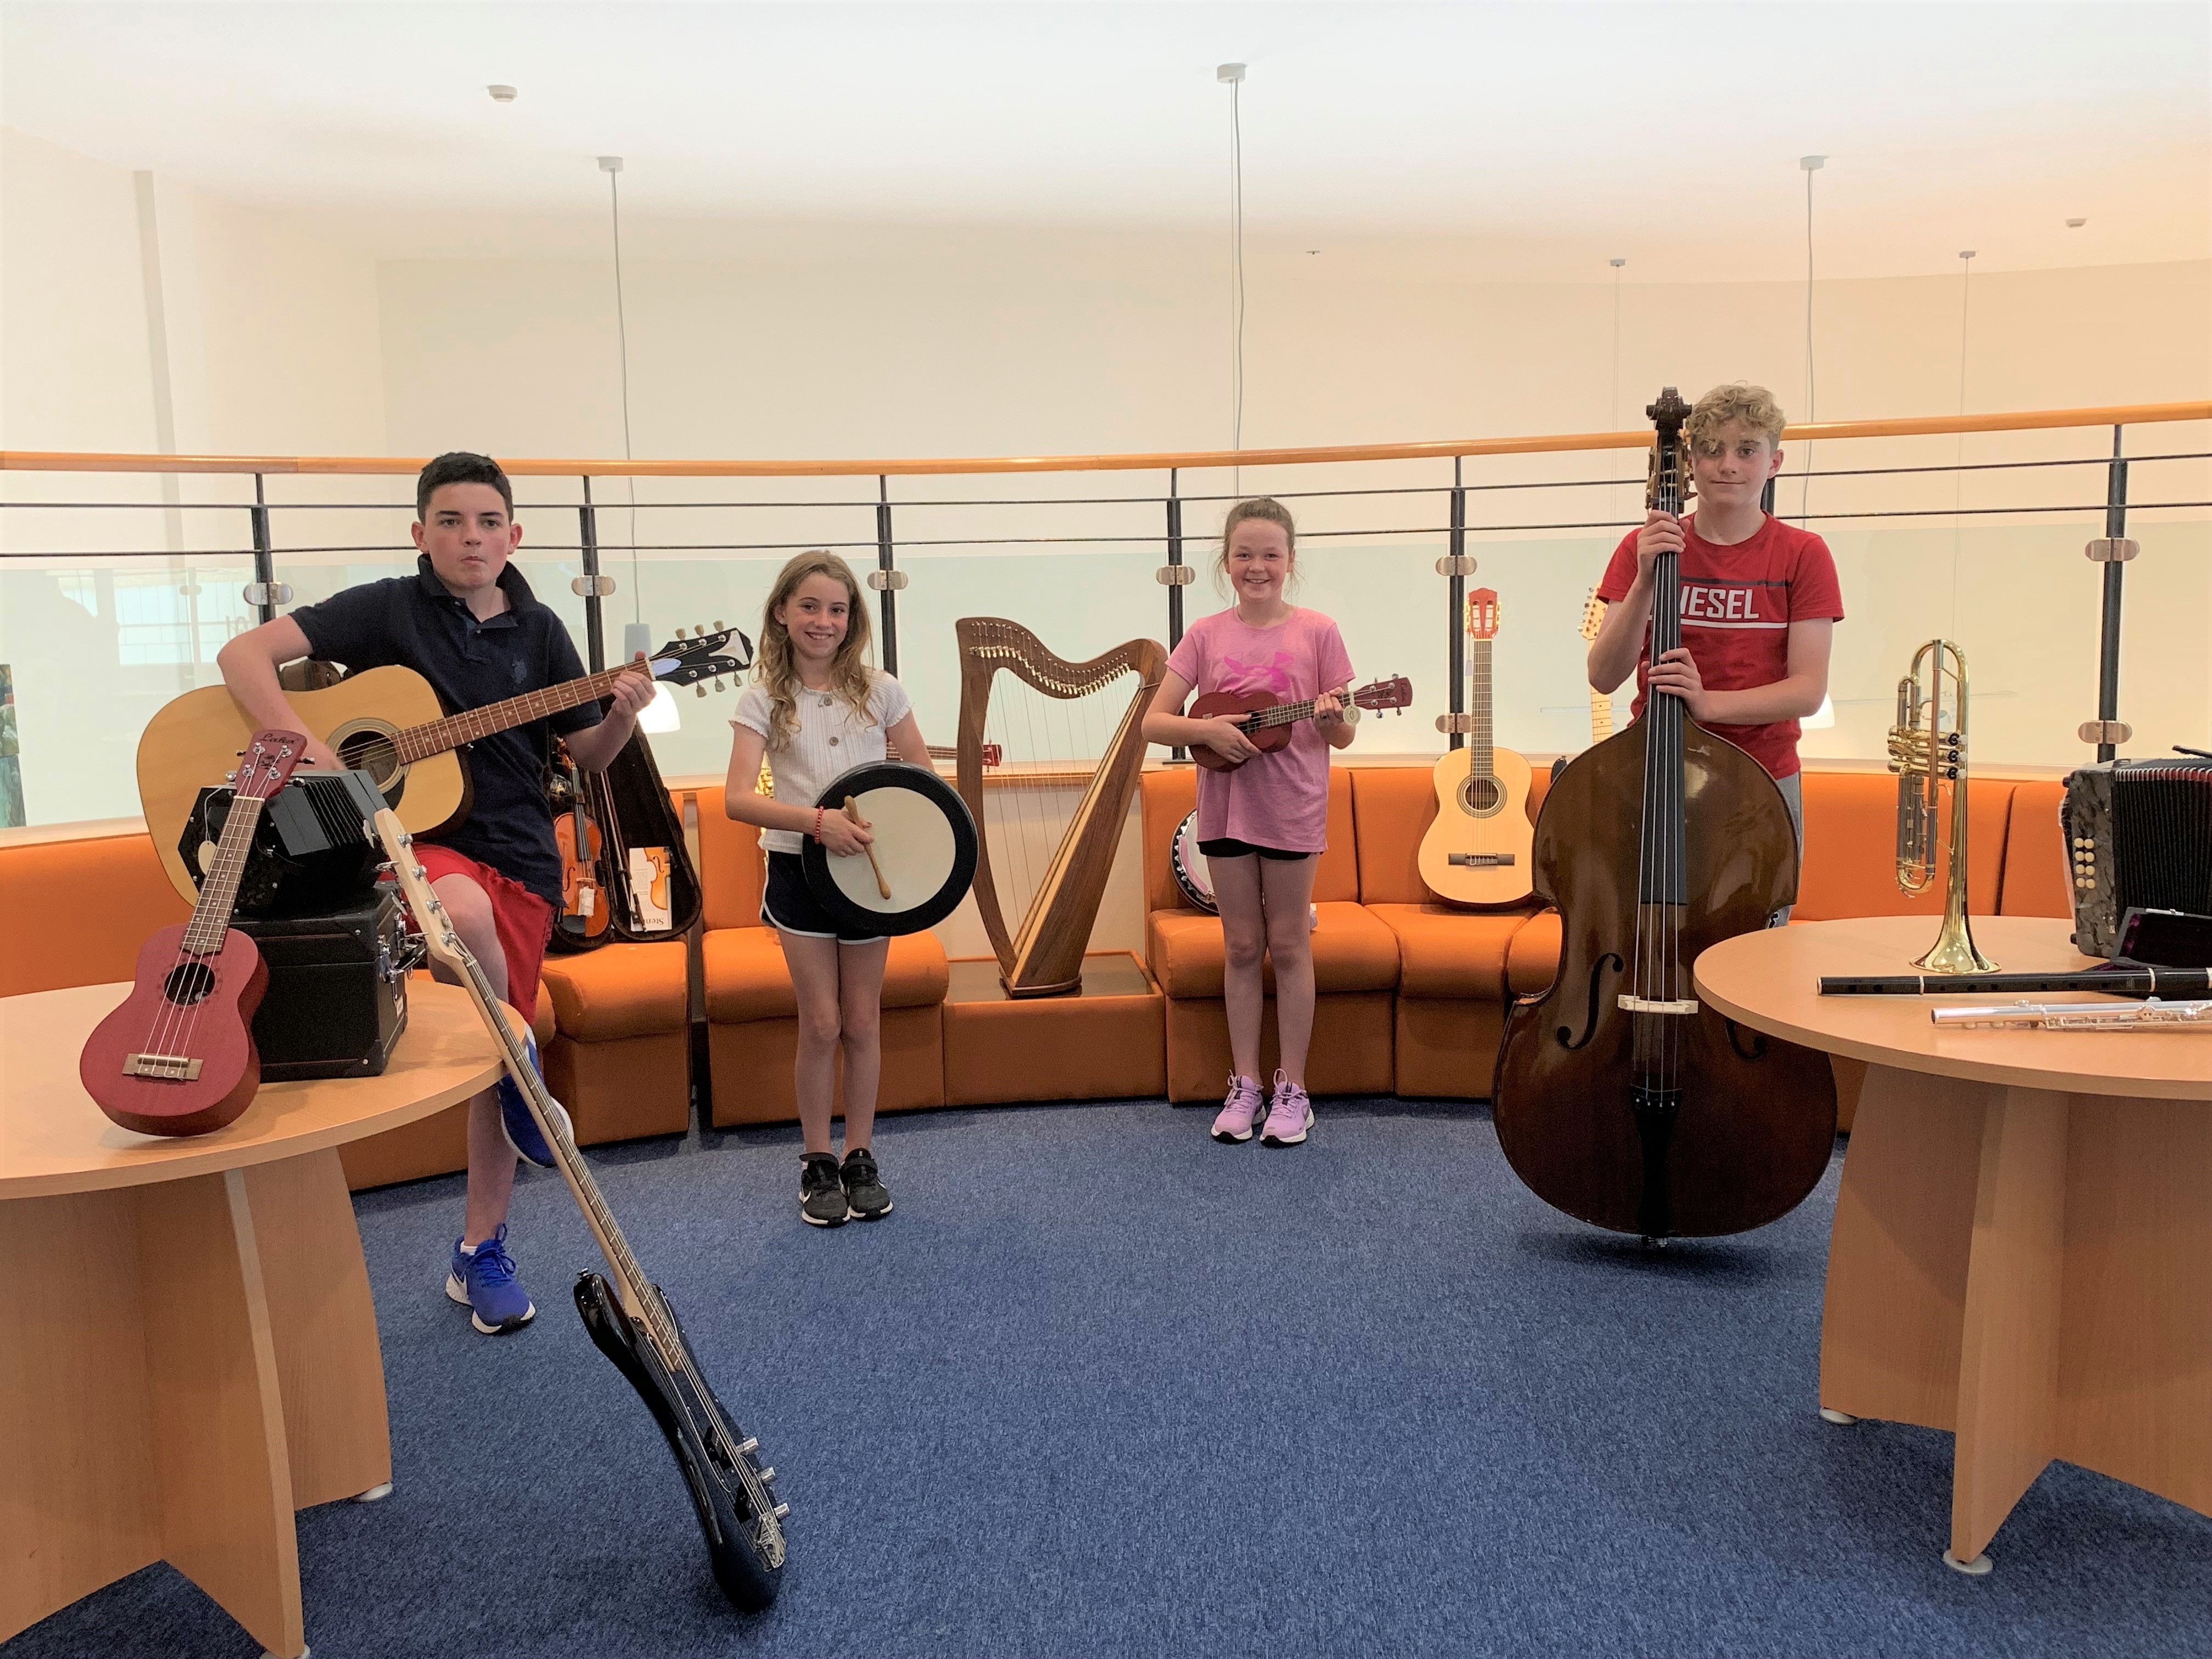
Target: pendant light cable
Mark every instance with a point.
(1811, 164)
(1234, 75)
(611, 165)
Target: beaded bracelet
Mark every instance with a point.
(818, 823)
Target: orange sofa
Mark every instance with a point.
(1411, 993)
(752, 1014)
(1457, 968)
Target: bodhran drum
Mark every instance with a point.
(924, 847)
(1191, 873)
(1194, 873)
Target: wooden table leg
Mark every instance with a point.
(142, 1361)
(1898, 1252)
(330, 1366)
(2009, 1336)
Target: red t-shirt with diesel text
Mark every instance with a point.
(1737, 604)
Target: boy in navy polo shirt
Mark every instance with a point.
(1759, 597)
(466, 621)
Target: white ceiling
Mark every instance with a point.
(1526, 140)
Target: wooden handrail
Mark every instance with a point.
(31, 460)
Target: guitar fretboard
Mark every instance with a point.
(1480, 756)
(210, 923)
(436, 737)
(1282, 713)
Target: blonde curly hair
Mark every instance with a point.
(1738, 400)
(850, 676)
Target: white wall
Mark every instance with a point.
(272, 346)
(828, 342)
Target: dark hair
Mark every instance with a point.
(460, 466)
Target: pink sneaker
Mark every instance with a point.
(1290, 1115)
(1238, 1112)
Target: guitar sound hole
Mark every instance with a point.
(372, 752)
(1481, 796)
(189, 983)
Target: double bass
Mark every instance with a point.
(1619, 1097)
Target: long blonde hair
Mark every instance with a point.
(850, 676)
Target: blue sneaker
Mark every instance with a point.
(484, 1281)
(520, 1125)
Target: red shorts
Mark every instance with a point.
(525, 920)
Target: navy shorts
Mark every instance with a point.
(1228, 847)
(788, 903)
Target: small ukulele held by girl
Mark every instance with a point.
(1263, 825)
(816, 709)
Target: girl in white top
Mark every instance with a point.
(816, 708)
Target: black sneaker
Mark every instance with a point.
(864, 1191)
(821, 1193)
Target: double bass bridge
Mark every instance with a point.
(1636, 1005)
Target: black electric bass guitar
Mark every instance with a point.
(629, 1317)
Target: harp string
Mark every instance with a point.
(1051, 750)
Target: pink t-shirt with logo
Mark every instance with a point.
(1279, 799)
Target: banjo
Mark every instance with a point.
(920, 864)
(1193, 873)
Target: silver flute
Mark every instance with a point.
(2150, 1015)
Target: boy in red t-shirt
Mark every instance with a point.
(1759, 597)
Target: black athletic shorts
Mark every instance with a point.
(1228, 847)
(788, 903)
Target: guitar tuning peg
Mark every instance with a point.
(718, 682)
(699, 690)
(718, 625)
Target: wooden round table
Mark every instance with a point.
(2024, 1223)
(192, 1352)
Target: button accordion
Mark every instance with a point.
(2138, 836)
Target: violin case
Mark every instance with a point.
(629, 805)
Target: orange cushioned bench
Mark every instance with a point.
(1458, 967)
(1355, 959)
(752, 1013)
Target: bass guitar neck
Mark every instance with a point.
(629, 1318)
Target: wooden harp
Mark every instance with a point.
(1041, 954)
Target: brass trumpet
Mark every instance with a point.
(1927, 752)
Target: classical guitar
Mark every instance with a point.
(629, 1318)
(1268, 722)
(1600, 701)
(177, 1057)
(1620, 1097)
(389, 723)
(1477, 851)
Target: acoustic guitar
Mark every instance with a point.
(1268, 722)
(629, 1318)
(177, 1058)
(388, 723)
(1477, 850)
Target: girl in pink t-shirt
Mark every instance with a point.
(1263, 825)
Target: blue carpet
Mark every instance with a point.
(1099, 1387)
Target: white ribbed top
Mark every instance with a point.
(830, 740)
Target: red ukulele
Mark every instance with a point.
(177, 1057)
(1268, 722)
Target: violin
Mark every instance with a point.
(1619, 1097)
(585, 911)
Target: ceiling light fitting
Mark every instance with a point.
(2076, 224)
(1229, 71)
(610, 164)
(501, 95)
(1812, 163)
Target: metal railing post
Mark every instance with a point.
(886, 580)
(595, 635)
(1457, 647)
(265, 593)
(2108, 648)
(1174, 558)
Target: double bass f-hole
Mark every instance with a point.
(1757, 1048)
(1589, 1022)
